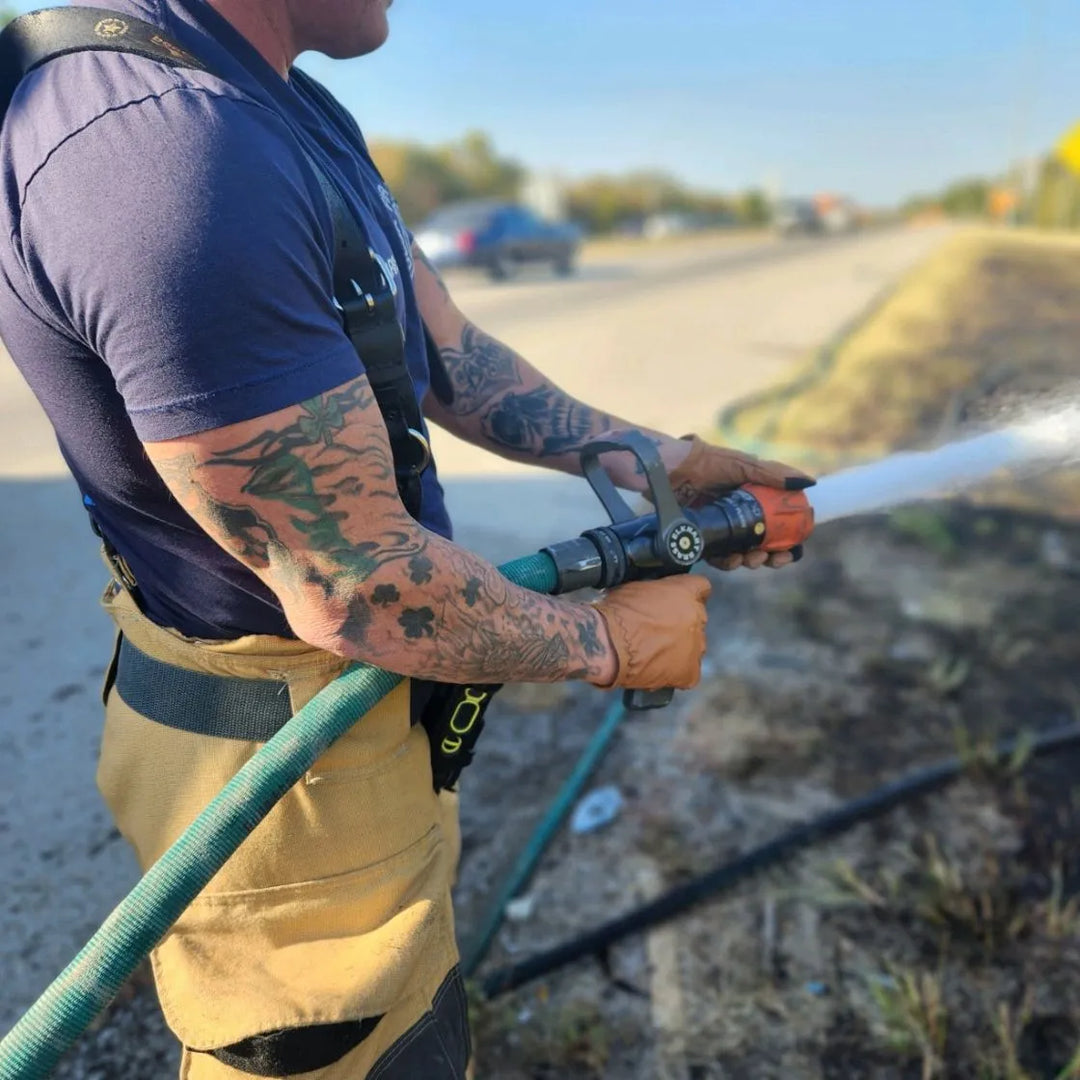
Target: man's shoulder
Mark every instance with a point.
(69, 97)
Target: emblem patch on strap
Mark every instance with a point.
(110, 29)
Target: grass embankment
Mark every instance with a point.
(941, 941)
(985, 328)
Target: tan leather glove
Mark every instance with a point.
(708, 471)
(657, 629)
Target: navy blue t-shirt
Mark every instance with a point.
(169, 271)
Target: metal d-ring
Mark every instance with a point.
(425, 447)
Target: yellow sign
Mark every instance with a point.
(1002, 202)
(1068, 149)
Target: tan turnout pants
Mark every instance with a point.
(336, 908)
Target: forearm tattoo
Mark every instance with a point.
(479, 370)
(311, 504)
(543, 421)
(504, 401)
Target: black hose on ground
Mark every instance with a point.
(677, 900)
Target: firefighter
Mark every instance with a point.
(177, 294)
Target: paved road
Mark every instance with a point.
(663, 339)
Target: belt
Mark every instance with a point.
(223, 706)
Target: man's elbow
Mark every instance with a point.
(347, 623)
(315, 624)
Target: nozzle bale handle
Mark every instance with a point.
(648, 458)
(675, 544)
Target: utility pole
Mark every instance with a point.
(1028, 71)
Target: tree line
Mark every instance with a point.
(1049, 197)
(423, 178)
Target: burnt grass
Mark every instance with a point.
(939, 940)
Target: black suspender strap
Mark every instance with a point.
(364, 289)
(441, 386)
(365, 292)
(31, 40)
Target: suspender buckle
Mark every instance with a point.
(422, 449)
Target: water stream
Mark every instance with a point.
(1048, 441)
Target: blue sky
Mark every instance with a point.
(876, 98)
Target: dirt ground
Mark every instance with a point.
(940, 940)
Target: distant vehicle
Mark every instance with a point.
(824, 213)
(671, 223)
(795, 217)
(499, 237)
(837, 214)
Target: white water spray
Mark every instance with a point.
(1047, 442)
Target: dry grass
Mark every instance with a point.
(913, 1013)
(986, 324)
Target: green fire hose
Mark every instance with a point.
(34, 1046)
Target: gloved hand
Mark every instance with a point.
(708, 471)
(657, 629)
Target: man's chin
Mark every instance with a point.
(342, 50)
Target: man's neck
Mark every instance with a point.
(266, 25)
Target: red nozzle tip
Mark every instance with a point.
(789, 517)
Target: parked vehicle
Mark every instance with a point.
(498, 237)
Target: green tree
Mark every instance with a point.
(918, 204)
(474, 162)
(1055, 203)
(753, 208)
(418, 177)
(602, 203)
(423, 178)
(966, 198)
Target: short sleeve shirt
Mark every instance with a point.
(169, 271)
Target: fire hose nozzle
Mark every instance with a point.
(673, 538)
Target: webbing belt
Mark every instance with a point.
(224, 706)
(253, 710)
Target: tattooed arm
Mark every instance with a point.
(306, 498)
(502, 403)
